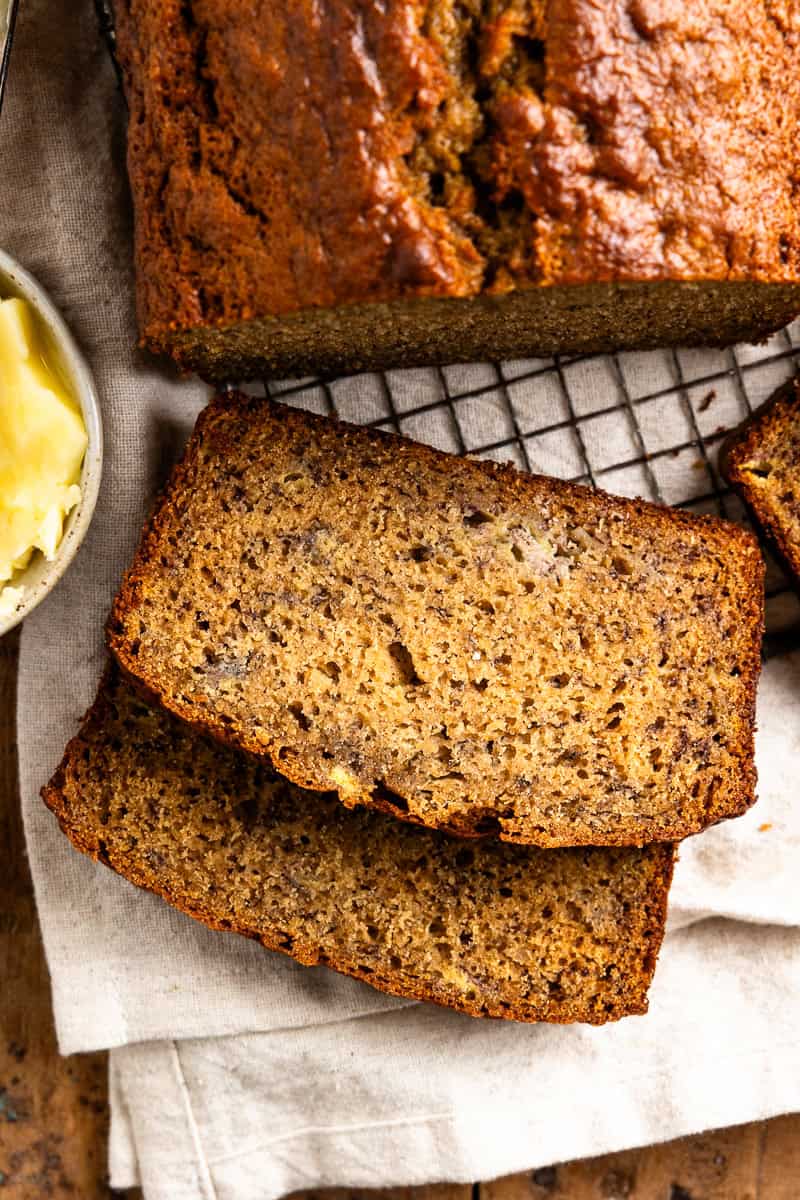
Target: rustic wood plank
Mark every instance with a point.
(433, 1191)
(760, 1161)
(717, 1166)
(779, 1166)
(53, 1111)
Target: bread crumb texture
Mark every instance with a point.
(454, 642)
(490, 929)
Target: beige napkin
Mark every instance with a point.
(423, 1095)
(238, 1073)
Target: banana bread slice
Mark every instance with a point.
(452, 641)
(762, 461)
(492, 930)
(331, 187)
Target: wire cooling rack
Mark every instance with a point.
(639, 424)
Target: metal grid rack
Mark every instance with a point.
(639, 424)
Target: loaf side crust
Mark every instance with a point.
(534, 322)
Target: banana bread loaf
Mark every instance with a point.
(361, 184)
(493, 930)
(762, 461)
(461, 644)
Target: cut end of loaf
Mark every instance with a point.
(762, 461)
(533, 323)
(453, 642)
(490, 930)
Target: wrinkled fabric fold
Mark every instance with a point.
(420, 1096)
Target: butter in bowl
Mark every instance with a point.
(50, 444)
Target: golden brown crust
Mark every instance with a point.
(732, 796)
(483, 149)
(62, 796)
(777, 421)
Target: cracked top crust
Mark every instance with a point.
(284, 156)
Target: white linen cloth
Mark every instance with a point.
(237, 1074)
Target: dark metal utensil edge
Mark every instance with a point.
(108, 31)
(5, 57)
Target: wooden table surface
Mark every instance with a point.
(54, 1111)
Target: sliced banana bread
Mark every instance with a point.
(493, 930)
(762, 461)
(455, 642)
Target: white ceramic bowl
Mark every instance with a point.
(40, 576)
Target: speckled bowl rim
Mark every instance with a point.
(40, 577)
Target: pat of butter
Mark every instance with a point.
(42, 445)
